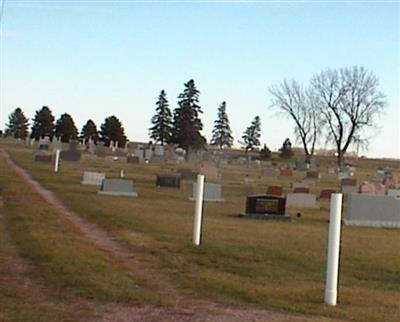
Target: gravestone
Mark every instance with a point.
(265, 207)
(187, 174)
(393, 193)
(300, 184)
(301, 190)
(391, 182)
(56, 144)
(70, 155)
(286, 173)
(171, 180)
(313, 175)
(210, 172)
(275, 191)
(343, 175)
(373, 211)
(349, 185)
(300, 165)
(47, 158)
(375, 188)
(326, 193)
(117, 187)
(132, 159)
(212, 192)
(301, 200)
(93, 178)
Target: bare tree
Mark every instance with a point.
(298, 104)
(348, 100)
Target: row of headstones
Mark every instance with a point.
(125, 187)
(362, 210)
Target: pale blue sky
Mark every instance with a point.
(93, 59)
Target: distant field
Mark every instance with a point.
(242, 262)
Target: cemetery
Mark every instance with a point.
(199, 161)
(276, 200)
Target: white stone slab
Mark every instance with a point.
(93, 178)
(301, 200)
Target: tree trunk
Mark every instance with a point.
(340, 159)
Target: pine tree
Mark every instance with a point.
(17, 124)
(187, 124)
(286, 150)
(43, 124)
(65, 128)
(89, 131)
(112, 130)
(161, 131)
(222, 133)
(265, 153)
(252, 135)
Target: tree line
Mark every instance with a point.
(44, 124)
(337, 105)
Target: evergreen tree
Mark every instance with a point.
(43, 124)
(65, 128)
(89, 131)
(187, 124)
(112, 130)
(286, 150)
(161, 131)
(222, 133)
(17, 124)
(252, 135)
(265, 153)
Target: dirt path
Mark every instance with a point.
(184, 307)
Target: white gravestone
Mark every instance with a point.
(301, 200)
(93, 178)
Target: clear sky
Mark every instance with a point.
(93, 59)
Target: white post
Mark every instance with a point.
(332, 270)
(57, 161)
(198, 210)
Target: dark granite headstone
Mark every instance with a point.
(172, 180)
(265, 207)
(70, 155)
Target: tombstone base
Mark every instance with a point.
(372, 223)
(122, 194)
(209, 199)
(266, 216)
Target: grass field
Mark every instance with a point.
(242, 262)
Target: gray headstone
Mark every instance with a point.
(93, 178)
(301, 200)
(373, 211)
(117, 187)
(212, 192)
(70, 155)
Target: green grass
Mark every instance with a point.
(243, 262)
(69, 266)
